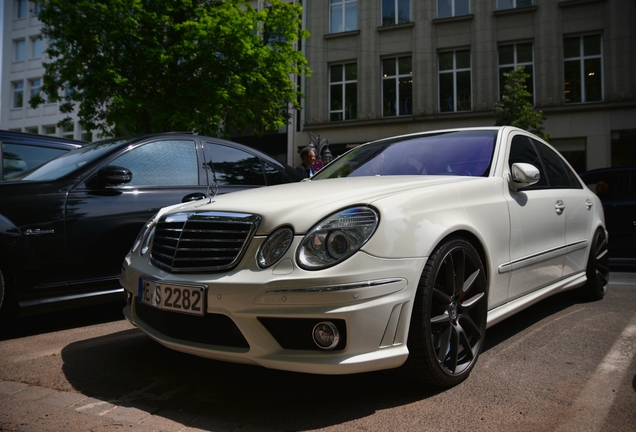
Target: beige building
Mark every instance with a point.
(389, 67)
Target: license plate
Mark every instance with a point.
(189, 299)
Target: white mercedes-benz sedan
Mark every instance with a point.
(400, 253)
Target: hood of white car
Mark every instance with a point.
(304, 204)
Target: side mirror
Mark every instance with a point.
(113, 175)
(522, 175)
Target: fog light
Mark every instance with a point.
(326, 335)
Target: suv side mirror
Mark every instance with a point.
(112, 175)
(522, 175)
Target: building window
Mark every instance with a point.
(513, 56)
(36, 8)
(85, 133)
(454, 81)
(344, 15)
(18, 94)
(397, 86)
(20, 9)
(31, 130)
(34, 85)
(68, 131)
(396, 12)
(48, 130)
(343, 92)
(36, 47)
(583, 67)
(513, 4)
(451, 8)
(18, 47)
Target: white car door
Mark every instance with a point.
(578, 204)
(538, 226)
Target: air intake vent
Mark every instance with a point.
(202, 241)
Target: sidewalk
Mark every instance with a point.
(25, 408)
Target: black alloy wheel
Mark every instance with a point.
(448, 324)
(597, 271)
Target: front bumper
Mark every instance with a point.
(369, 298)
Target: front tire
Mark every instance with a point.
(448, 323)
(597, 270)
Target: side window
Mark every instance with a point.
(17, 158)
(604, 184)
(232, 166)
(626, 186)
(274, 176)
(522, 151)
(561, 176)
(162, 163)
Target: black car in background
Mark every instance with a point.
(616, 187)
(66, 226)
(21, 152)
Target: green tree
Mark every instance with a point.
(515, 107)
(143, 66)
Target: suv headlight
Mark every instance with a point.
(337, 237)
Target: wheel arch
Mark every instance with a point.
(476, 243)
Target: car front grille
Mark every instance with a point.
(209, 329)
(197, 242)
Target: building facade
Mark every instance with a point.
(391, 67)
(22, 70)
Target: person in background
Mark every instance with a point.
(308, 155)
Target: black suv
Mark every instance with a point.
(66, 226)
(616, 187)
(23, 151)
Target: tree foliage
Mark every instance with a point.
(515, 107)
(143, 66)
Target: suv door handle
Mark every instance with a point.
(589, 204)
(193, 197)
(559, 207)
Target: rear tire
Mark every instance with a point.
(597, 268)
(448, 323)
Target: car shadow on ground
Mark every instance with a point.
(130, 369)
(12, 327)
(530, 316)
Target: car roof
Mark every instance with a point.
(41, 140)
(606, 170)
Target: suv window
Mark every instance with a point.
(17, 158)
(625, 186)
(274, 176)
(161, 163)
(233, 166)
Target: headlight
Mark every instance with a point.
(337, 237)
(274, 247)
(145, 236)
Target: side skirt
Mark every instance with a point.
(504, 311)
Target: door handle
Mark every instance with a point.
(589, 204)
(193, 197)
(559, 207)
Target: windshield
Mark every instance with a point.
(466, 153)
(70, 161)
